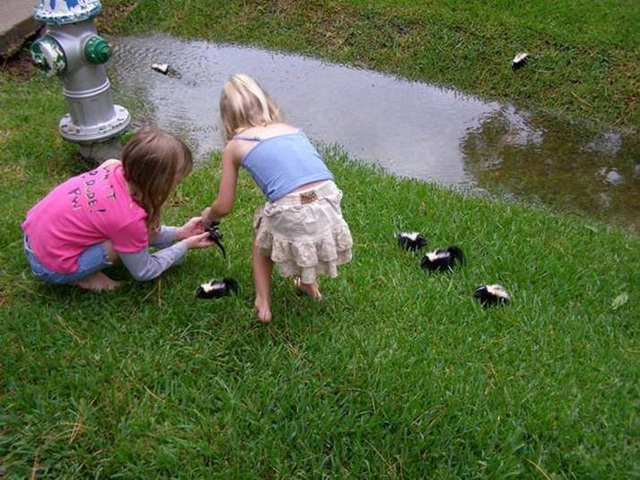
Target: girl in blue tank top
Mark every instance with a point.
(300, 228)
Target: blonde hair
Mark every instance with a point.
(245, 104)
(154, 163)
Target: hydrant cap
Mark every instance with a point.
(60, 12)
(97, 50)
(48, 55)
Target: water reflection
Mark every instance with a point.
(534, 157)
(408, 128)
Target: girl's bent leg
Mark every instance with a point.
(262, 267)
(97, 282)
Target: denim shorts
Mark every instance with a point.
(92, 260)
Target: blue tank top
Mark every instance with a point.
(283, 163)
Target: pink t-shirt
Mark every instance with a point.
(85, 210)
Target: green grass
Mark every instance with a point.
(397, 374)
(584, 55)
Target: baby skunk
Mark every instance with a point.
(411, 241)
(519, 61)
(442, 259)
(216, 236)
(491, 295)
(166, 69)
(217, 288)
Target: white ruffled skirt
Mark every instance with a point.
(304, 233)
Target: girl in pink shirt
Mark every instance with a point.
(113, 212)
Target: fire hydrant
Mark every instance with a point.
(71, 48)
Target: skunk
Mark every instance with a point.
(165, 69)
(519, 60)
(491, 295)
(217, 288)
(442, 259)
(216, 235)
(411, 241)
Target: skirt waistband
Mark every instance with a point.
(308, 195)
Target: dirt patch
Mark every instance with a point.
(20, 66)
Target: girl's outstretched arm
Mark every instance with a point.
(166, 236)
(144, 265)
(223, 204)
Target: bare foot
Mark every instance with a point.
(97, 283)
(263, 310)
(310, 289)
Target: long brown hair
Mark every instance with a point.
(245, 104)
(154, 163)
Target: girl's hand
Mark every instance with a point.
(195, 226)
(199, 241)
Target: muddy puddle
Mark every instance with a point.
(409, 129)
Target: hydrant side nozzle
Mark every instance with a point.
(48, 55)
(97, 50)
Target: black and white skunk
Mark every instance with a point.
(216, 235)
(217, 288)
(519, 60)
(491, 295)
(442, 259)
(166, 69)
(411, 241)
